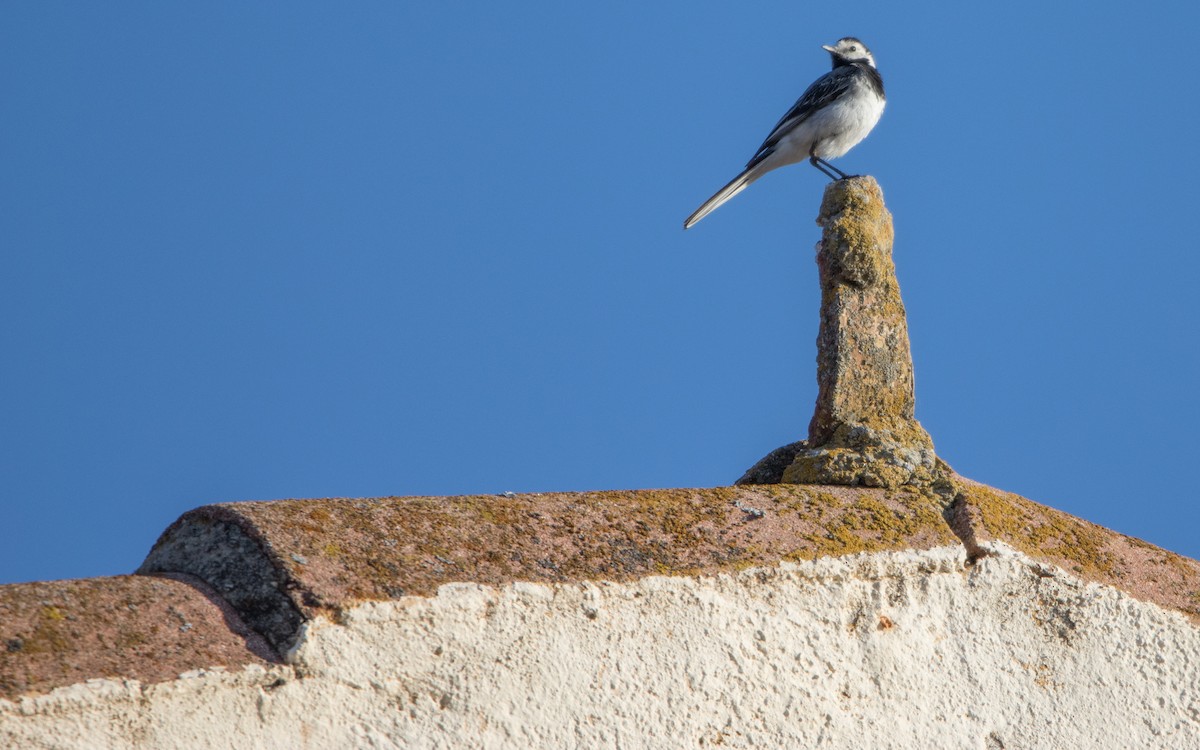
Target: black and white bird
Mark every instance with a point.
(836, 112)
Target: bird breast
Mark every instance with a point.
(837, 128)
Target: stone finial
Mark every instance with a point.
(863, 431)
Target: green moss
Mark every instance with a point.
(497, 510)
(131, 639)
(410, 546)
(870, 525)
(50, 635)
(331, 549)
(1037, 532)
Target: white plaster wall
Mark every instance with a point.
(897, 650)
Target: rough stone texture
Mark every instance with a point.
(60, 633)
(283, 562)
(277, 565)
(981, 515)
(219, 546)
(784, 612)
(863, 430)
(886, 649)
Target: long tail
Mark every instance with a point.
(735, 186)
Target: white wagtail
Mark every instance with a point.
(830, 118)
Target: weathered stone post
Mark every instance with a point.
(863, 431)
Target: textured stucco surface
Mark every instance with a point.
(909, 649)
(283, 562)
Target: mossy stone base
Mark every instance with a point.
(863, 431)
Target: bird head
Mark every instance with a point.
(849, 50)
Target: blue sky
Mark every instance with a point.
(255, 251)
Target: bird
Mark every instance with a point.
(837, 111)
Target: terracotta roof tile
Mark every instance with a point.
(151, 629)
(279, 561)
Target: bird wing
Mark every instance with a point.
(822, 91)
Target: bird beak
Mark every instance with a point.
(827, 48)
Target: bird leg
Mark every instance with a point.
(825, 166)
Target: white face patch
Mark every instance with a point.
(852, 49)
